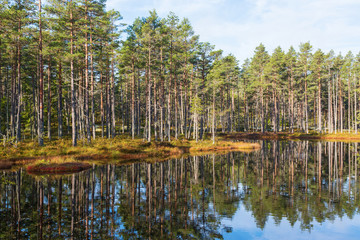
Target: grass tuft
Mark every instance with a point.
(117, 150)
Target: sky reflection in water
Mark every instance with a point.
(244, 227)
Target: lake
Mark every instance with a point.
(286, 190)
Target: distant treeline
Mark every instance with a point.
(300, 90)
(66, 70)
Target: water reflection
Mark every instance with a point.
(300, 183)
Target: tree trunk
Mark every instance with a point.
(213, 116)
(319, 103)
(155, 111)
(330, 129)
(133, 87)
(262, 110)
(176, 108)
(108, 102)
(355, 105)
(102, 104)
(112, 101)
(149, 95)
(306, 106)
(41, 84)
(92, 89)
(60, 120)
(162, 99)
(18, 92)
(340, 104)
(349, 105)
(49, 100)
(73, 100)
(87, 118)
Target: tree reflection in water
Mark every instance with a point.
(189, 197)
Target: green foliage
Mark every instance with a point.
(157, 78)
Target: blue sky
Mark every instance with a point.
(238, 26)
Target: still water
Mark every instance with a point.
(286, 190)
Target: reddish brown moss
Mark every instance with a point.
(56, 168)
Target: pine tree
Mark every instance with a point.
(257, 66)
(290, 62)
(274, 71)
(303, 68)
(318, 70)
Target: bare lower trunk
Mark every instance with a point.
(86, 102)
(73, 100)
(112, 100)
(133, 101)
(60, 120)
(92, 91)
(49, 101)
(213, 117)
(41, 85)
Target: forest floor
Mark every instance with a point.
(120, 150)
(343, 137)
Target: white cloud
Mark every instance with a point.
(239, 26)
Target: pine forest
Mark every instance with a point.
(72, 69)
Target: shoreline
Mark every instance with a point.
(343, 137)
(117, 150)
